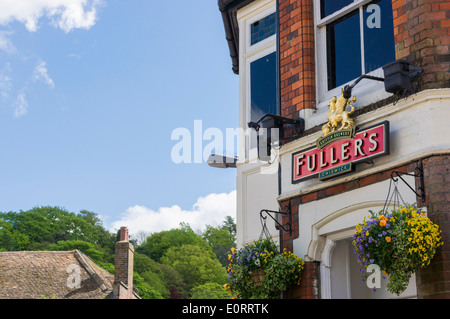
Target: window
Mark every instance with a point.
(263, 86)
(356, 37)
(262, 29)
(258, 70)
(262, 64)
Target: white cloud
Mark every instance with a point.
(21, 107)
(5, 81)
(6, 44)
(41, 73)
(209, 210)
(65, 14)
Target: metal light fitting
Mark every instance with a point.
(271, 121)
(222, 161)
(397, 78)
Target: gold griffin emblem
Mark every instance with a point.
(337, 114)
(340, 125)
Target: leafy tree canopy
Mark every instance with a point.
(210, 290)
(194, 265)
(157, 244)
(221, 241)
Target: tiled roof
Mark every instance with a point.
(52, 274)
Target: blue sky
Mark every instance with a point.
(90, 93)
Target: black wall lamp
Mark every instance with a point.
(397, 78)
(271, 121)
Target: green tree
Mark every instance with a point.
(210, 290)
(50, 225)
(11, 239)
(102, 238)
(151, 273)
(45, 228)
(146, 291)
(174, 282)
(195, 264)
(157, 244)
(87, 248)
(230, 226)
(221, 241)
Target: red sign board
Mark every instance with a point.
(338, 156)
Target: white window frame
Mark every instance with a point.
(247, 54)
(367, 91)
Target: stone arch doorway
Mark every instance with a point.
(332, 245)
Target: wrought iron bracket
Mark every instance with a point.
(418, 173)
(268, 212)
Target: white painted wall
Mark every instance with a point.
(257, 182)
(418, 128)
(257, 189)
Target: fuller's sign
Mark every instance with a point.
(336, 153)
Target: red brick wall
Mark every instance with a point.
(297, 64)
(434, 281)
(422, 35)
(309, 285)
(124, 254)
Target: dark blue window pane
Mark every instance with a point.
(263, 85)
(379, 47)
(328, 7)
(344, 50)
(263, 28)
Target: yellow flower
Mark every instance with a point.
(388, 239)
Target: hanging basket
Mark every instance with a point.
(257, 276)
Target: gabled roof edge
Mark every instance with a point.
(80, 257)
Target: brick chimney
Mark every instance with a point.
(123, 280)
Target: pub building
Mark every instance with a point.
(341, 102)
